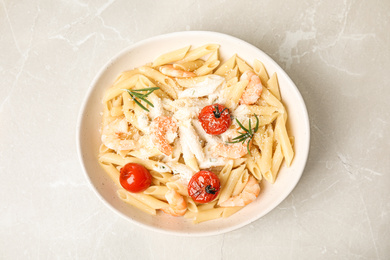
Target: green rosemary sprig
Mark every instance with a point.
(248, 133)
(135, 93)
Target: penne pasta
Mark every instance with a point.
(242, 65)
(233, 94)
(179, 187)
(171, 56)
(128, 103)
(191, 205)
(252, 163)
(126, 197)
(112, 172)
(225, 172)
(261, 110)
(118, 88)
(189, 65)
(207, 206)
(211, 63)
(149, 164)
(156, 190)
(227, 212)
(116, 111)
(233, 73)
(208, 215)
(162, 177)
(227, 66)
(227, 190)
(158, 121)
(103, 149)
(272, 100)
(200, 52)
(166, 84)
(207, 68)
(191, 82)
(149, 200)
(277, 159)
(125, 75)
(260, 70)
(238, 162)
(267, 140)
(273, 86)
(145, 153)
(190, 214)
(241, 182)
(149, 84)
(283, 139)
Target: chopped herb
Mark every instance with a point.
(162, 167)
(248, 133)
(135, 93)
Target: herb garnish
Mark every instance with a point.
(134, 94)
(249, 133)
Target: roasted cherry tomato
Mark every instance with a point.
(215, 119)
(135, 177)
(204, 186)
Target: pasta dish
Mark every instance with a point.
(191, 135)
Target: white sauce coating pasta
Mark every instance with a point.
(165, 135)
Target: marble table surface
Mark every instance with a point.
(336, 52)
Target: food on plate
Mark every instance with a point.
(189, 135)
(135, 177)
(215, 119)
(204, 186)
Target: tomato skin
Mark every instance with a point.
(204, 186)
(135, 177)
(213, 121)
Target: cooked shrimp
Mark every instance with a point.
(177, 204)
(233, 151)
(163, 132)
(118, 136)
(253, 90)
(229, 150)
(169, 70)
(248, 194)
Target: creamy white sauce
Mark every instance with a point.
(210, 139)
(183, 170)
(157, 110)
(161, 167)
(241, 113)
(189, 135)
(143, 122)
(203, 88)
(185, 110)
(210, 159)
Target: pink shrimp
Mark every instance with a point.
(253, 90)
(234, 151)
(169, 70)
(248, 195)
(163, 128)
(177, 204)
(118, 136)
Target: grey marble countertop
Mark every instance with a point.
(336, 52)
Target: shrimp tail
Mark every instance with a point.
(177, 204)
(248, 195)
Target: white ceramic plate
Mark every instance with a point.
(88, 138)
